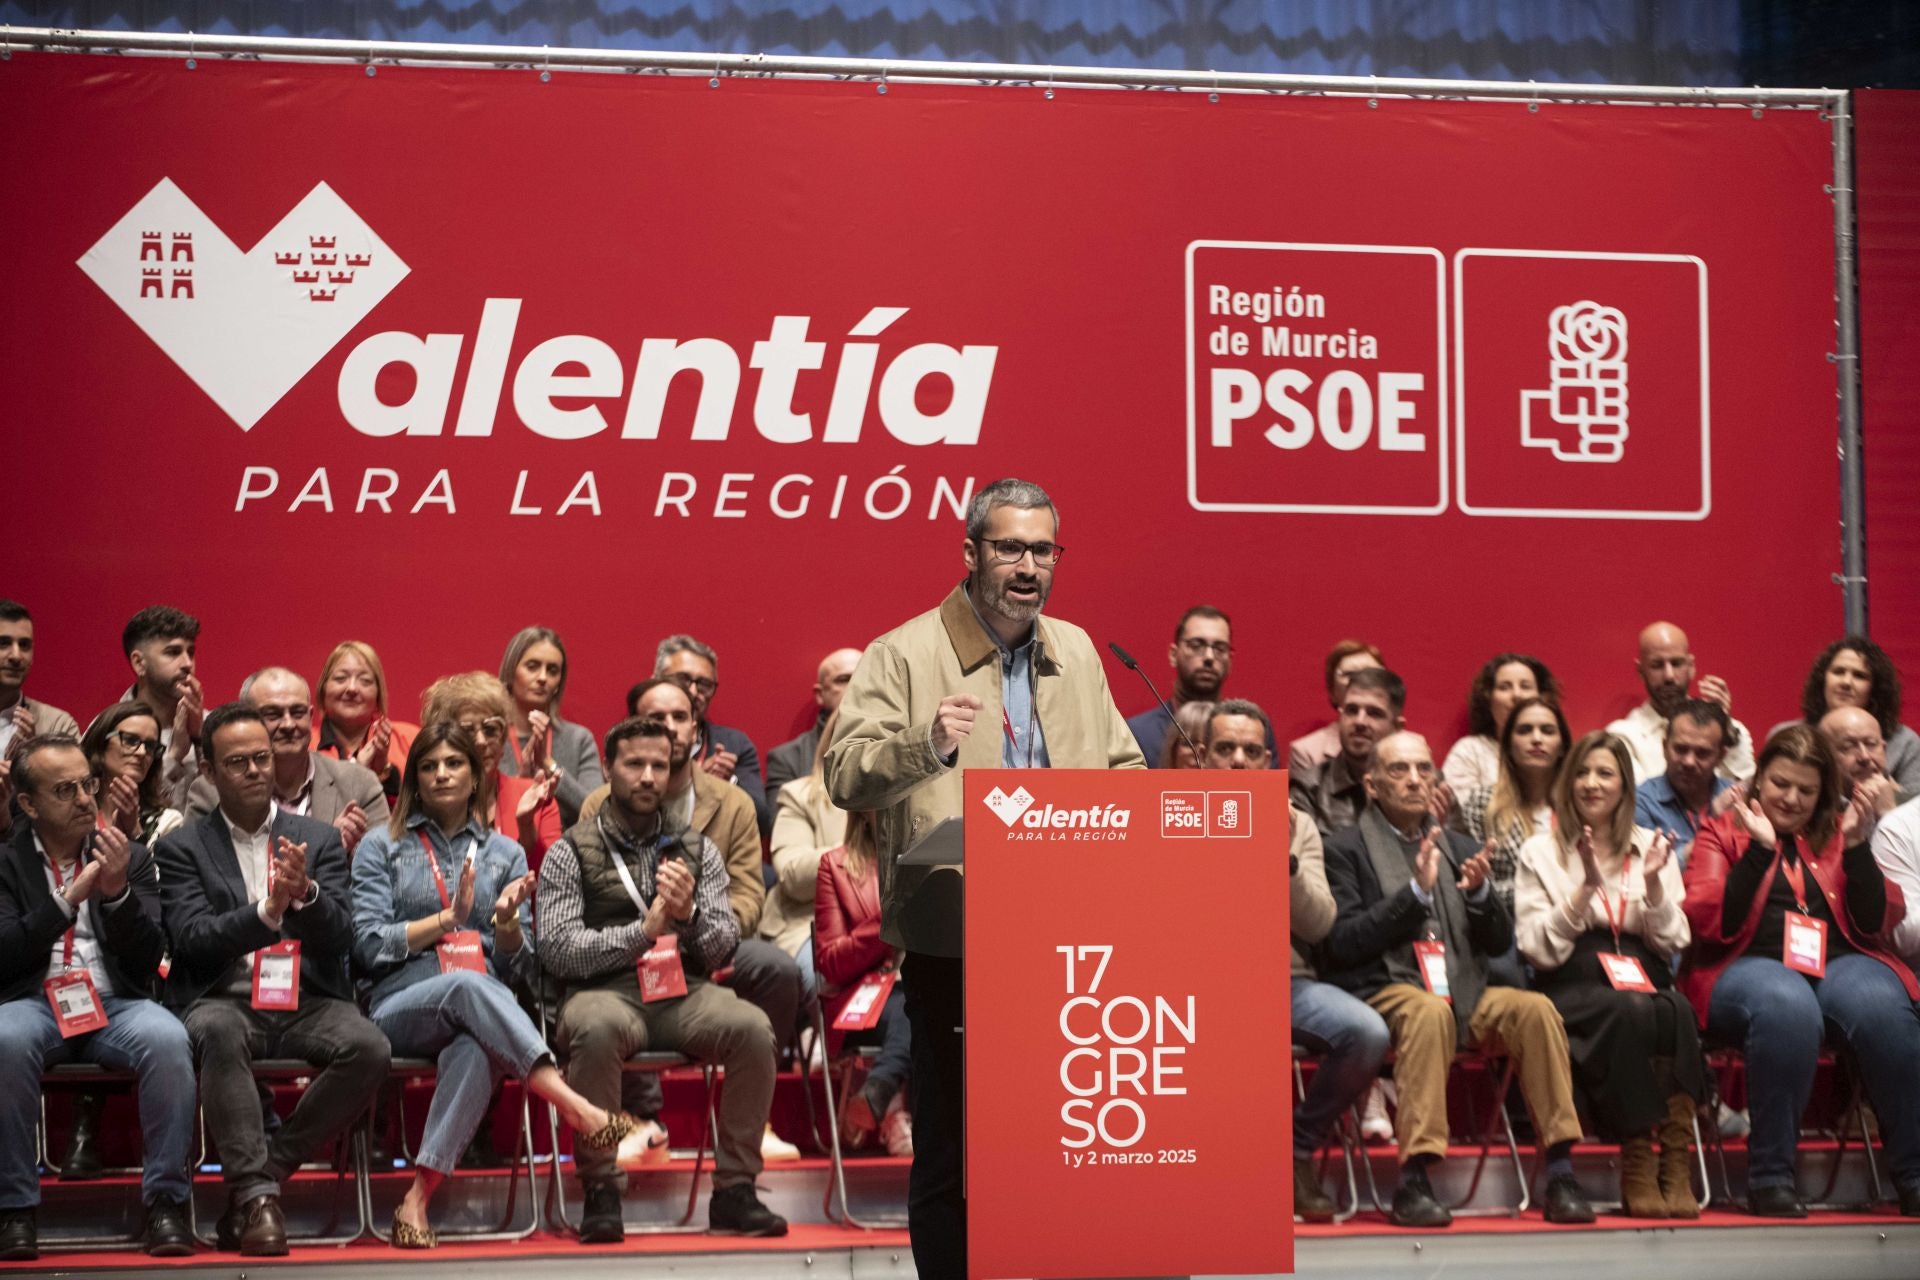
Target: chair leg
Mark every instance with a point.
(1700, 1158)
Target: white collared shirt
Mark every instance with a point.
(253, 850)
(87, 952)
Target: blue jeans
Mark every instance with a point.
(1351, 1040)
(1778, 1017)
(894, 1034)
(471, 1025)
(141, 1037)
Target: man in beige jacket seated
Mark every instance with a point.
(981, 682)
(1350, 1038)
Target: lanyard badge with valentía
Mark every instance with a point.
(458, 948)
(1804, 948)
(660, 970)
(71, 993)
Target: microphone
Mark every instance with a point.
(1127, 661)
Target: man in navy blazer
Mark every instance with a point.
(80, 920)
(249, 877)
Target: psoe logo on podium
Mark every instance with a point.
(1581, 385)
(1230, 814)
(1316, 378)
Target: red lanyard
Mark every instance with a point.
(1796, 874)
(1006, 722)
(60, 887)
(433, 865)
(1616, 923)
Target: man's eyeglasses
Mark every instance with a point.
(1200, 648)
(492, 729)
(73, 788)
(292, 711)
(695, 684)
(134, 744)
(241, 765)
(1012, 551)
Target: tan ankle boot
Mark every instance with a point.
(1676, 1163)
(1640, 1180)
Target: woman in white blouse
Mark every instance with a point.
(1598, 913)
(1503, 683)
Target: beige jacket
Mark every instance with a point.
(882, 759)
(1309, 901)
(805, 826)
(1552, 906)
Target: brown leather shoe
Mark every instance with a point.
(263, 1230)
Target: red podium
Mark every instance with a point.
(1129, 1096)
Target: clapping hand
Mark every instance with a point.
(1475, 870)
(290, 882)
(121, 805)
(513, 897)
(720, 762)
(539, 755)
(1591, 864)
(1759, 826)
(1854, 818)
(373, 752)
(462, 909)
(351, 824)
(1426, 863)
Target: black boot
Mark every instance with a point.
(82, 1161)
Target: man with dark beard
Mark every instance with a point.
(1201, 656)
(1665, 666)
(905, 735)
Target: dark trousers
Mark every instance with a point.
(936, 1093)
(765, 977)
(333, 1035)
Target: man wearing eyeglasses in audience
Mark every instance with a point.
(722, 752)
(981, 682)
(340, 793)
(1201, 656)
(255, 902)
(1350, 1038)
(80, 948)
(794, 757)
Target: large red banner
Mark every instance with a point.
(1127, 1014)
(425, 356)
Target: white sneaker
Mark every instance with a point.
(774, 1147)
(644, 1146)
(896, 1127)
(1374, 1123)
(1733, 1124)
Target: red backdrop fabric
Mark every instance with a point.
(1038, 284)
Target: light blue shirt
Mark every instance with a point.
(1657, 808)
(1022, 744)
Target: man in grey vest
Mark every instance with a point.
(624, 894)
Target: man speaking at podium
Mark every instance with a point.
(981, 682)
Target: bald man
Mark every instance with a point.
(338, 792)
(1665, 667)
(794, 759)
(1861, 750)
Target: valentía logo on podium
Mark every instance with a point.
(244, 326)
(1008, 808)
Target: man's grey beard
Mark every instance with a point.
(994, 599)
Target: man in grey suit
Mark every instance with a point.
(340, 793)
(255, 903)
(794, 757)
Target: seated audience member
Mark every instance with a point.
(521, 808)
(848, 949)
(123, 746)
(1175, 752)
(1350, 1038)
(621, 881)
(1402, 885)
(1201, 656)
(1312, 750)
(534, 670)
(1519, 804)
(22, 717)
(1600, 918)
(1861, 753)
(806, 824)
(1780, 889)
(1505, 681)
(794, 758)
(696, 800)
(1896, 847)
(1856, 672)
(721, 752)
(439, 919)
(1691, 790)
(80, 927)
(160, 645)
(1666, 669)
(353, 715)
(260, 932)
(1333, 791)
(344, 795)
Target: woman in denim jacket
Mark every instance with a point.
(439, 913)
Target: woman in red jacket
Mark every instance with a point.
(1790, 918)
(848, 950)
